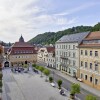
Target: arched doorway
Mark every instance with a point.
(6, 64)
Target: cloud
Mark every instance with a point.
(28, 18)
(78, 8)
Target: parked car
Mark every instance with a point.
(52, 84)
(79, 79)
(36, 71)
(62, 92)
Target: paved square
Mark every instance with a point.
(28, 86)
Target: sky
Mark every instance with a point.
(33, 17)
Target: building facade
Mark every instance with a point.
(20, 52)
(67, 53)
(1, 56)
(90, 60)
(46, 56)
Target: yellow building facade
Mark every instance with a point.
(90, 60)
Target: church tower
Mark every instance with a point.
(21, 39)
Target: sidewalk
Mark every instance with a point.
(83, 85)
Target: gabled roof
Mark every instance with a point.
(93, 35)
(50, 49)
(77, 37)
(21, 44)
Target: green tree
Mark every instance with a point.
(59, 83)
(50, 79)
(90, 97)
(75, 88)
(41, 69)
(1, 76)
(34, 65)
(46, 72)
(25, 65)
(37, 67)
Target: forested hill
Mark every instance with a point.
(52, 37)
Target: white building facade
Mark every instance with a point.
(46, 56)
(67, 53)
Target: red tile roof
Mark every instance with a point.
(21, 44)
(93, 35)
(50, 49)
(90, 45)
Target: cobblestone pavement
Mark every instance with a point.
(28, 86)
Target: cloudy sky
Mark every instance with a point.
(32, 17)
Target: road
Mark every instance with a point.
(67, 85)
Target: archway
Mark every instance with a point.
(6, 64)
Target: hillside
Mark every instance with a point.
(52, 37)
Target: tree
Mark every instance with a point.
(46, 72)
(50, 79)
(25, 65)
(90, 97)
(34, 65)
(41, 69)
(59, 83)
(37, 67)
(75, 88)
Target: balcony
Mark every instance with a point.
(63, 65)
(63, 57)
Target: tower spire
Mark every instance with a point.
(21, 39)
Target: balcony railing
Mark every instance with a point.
(63, 57)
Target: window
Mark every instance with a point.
(96, 81)
(69, 62)
(66, 54)
(69, 46)
(90, 65)
(81, 75)
(85, 52)
(81, 52)
(69, 54)
(73, 46)
(90, 79)
(90, 53)
(85, 77)
(81, 63)
(85, 64)
(74, 55)
(96, 67)
(66, 46)
(74, 63)
(96, 53)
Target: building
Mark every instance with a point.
(20, 52)
(46, 56)
(67, 53)
(90, 60)
(1, 56)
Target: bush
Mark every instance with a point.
(59, 83)
(37, 67)
(41, 69)
(90, 97)
(46, 72)
(0, 83)
(34, 65)
(1, 76)
(50, 79)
